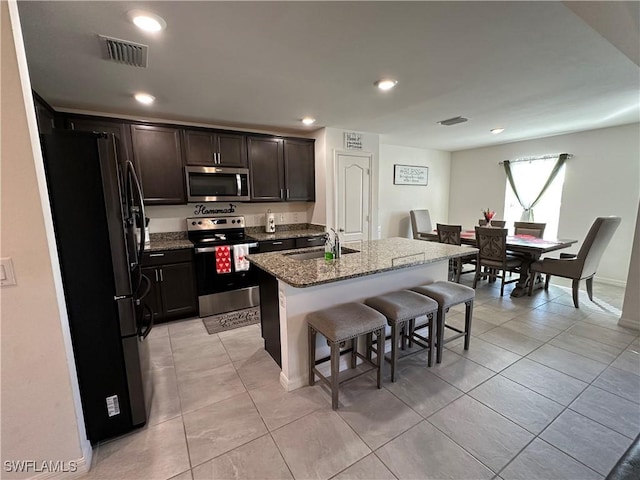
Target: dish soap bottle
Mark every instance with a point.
(328, 248)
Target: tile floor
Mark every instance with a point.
(546, 391)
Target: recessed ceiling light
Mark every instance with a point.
(144, 98)
(308, 120)
(386, 84)
(496, 131)
(147, 21)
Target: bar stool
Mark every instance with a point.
(401, 308)
(449, 294)
(338, 325)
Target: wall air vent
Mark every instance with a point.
(123, 51)
(452, 121)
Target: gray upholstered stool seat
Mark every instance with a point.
(401, 309)
(449, 294)
(338, 325)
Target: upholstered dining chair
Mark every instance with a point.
(529, 228)
(420, 222)
(450, 234)
(492, 245)
(585, 263)
(494, 223)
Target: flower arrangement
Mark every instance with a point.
(488, 214)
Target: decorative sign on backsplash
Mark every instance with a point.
(353, 141)
(202, 209)
(410, 175)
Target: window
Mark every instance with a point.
(529, 178)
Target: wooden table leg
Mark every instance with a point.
(522, 286)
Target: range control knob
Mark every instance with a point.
(233, 221)
(199, 223)
(193, 223)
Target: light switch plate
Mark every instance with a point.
(7, 275)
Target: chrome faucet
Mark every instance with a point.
(337, 250)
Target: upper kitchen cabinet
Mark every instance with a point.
(213, 148)
(157, 154)
(95, 124)
(281, 169)
(299, 170)
(45, 115)
(266, 168)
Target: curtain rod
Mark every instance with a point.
(541, 157)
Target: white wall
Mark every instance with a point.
(41, 413)
(396, 200)
(603, 178)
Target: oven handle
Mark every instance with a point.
(213, 249)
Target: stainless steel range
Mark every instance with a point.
(225, 281)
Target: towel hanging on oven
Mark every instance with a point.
(240, 262)
(223, 259)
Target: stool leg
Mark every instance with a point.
(354, 349)
(394, 349)
(312, 354)
(335, 371)
(430, 341)
(380, 355)
(440, 326)
(369, 345)
(411, 327)
(467, 323)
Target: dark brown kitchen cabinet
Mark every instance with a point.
(276, 245)
(266, 168)
(45, 115)
(310, 241)
(118, 129)
(282, 170)
(157, 154)
(173, 288)
(299, 170)
(211, 148)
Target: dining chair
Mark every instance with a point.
(492, 254)
(420, 222)
(450, 234)
(584, 264)
(529, 228)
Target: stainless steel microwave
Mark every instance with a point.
(217, 184)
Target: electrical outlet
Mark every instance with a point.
(282, 218)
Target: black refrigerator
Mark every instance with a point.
(96, 203)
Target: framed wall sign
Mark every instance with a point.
(352, 141)
(410, 175)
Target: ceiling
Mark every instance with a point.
(534, 68)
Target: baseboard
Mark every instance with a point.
(629, 323)
(289, 385)
(610, 281)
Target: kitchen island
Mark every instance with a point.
(294, 283)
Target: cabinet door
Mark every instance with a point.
(153, 299)
(310, 242)
(276, 245)
(120, 130)
(266, 169)
(199, 148)
(178, 290)
(232, 150)
(299, 170)
(158, 158)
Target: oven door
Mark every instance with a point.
(224, 292)
(217, 184)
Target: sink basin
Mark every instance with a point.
(316, 254)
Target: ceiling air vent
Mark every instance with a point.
(452, 121)
(123, 51)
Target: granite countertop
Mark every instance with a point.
(282, 235)
(373, 257)
(168, 241)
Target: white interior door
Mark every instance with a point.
(353, 197)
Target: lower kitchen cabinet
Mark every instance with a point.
(173, 286)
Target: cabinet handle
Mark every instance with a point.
(215, 160)
(287, 194)
(156, 254)
(156, 271)
(311, 239)
(276, 243)
(161, 277)
(219, 158)
(282, 193)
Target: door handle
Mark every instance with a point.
(161, 277)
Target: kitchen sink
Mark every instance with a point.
(319, 253)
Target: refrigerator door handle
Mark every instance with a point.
(144, 334)
(137, 191)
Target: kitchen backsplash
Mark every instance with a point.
(172, 218)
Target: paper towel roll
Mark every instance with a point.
(270, 223)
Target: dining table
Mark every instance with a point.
(529, 247)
